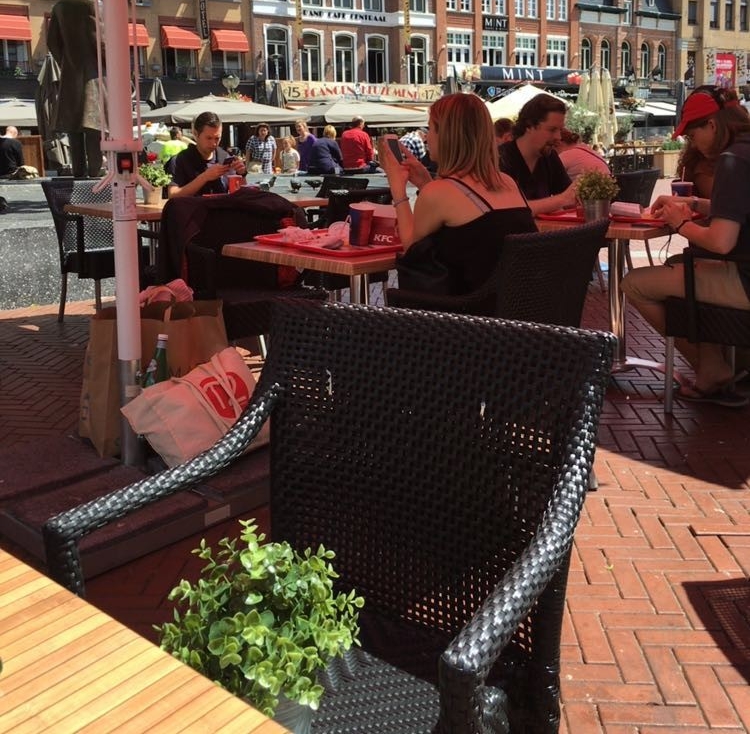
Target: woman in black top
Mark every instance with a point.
(325, 154)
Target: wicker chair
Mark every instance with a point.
(448, 487)
(540, 276)
(695, 321)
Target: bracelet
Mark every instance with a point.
(399, 201)
(681, 225)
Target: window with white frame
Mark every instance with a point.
(345, 4)
(225, 62)
(493, 49)
(661, 59)
(585, 53)
(626, 60)
(526, 50)
(374, 6)
(277, 52)
(458, 48)
(520, 8)
(312, 70)
(532, 9)
(605, 56)
(343, 53)
(141, 60)
(557, 52)
(451, 4)
(550, 9)
(376, 59)
(501, 10)
(418, 6)
(317, 3)
(466, 6)
(627, 17)
(562, 10)
(179, 62)
(417, 61)
(645, 60)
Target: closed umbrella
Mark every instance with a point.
(596, 104)
(609, 121)
(157, 97)
(583, 91)
(45, 100)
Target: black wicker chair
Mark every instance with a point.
(333, 182)
(540, 276)
(448, 487)
(637, 187)
(696, 321)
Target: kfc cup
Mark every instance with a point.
(234, 182)
(360, 222)
(682, 188)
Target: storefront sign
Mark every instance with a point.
(497, 23)
(515, 74)
(345, 16)
(317, 91)
(203, 29)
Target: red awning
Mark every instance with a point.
(141, 35)
(15, 28)
(229, 41)
(174, 37)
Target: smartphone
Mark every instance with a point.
(392, 142)
(229, 160)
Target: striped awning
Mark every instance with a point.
(223, 40)
(174, 37)
(141, 35)
(15, 28)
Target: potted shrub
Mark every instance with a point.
(624, 127)
(667, 157)
(595, 190)
(262, 621)
(153, 172)
(581, 121)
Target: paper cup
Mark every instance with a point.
(360, 223)
(682, 188)
(234, 182)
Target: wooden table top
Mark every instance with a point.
(279, 255)
(152, 212)
(68, 667)
(616, 231)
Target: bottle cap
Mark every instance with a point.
(163, 337)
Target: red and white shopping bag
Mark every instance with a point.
(184, 416)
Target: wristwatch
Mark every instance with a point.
(694, 204)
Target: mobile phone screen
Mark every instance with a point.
(395, 148)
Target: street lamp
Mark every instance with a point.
(231, 82)
(276, 58)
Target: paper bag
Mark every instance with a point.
(182, 417)
(196, 332)
(384, 230)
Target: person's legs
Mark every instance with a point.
(93, 153)
(715, 282)
(77, 154)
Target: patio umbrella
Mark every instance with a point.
(45, 100)
(157, 97)
(277, 96)
(375, 114)
(583, 90)
(608, 120)
(596, 104)
(18, 113)
(510, 105)
(229, 110)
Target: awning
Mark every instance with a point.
(141, 35)
(229, 41)
(174, 37)
(15, 28)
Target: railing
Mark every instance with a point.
(17, 69)
(182, 72)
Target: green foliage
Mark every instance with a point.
(262, 619)
(154, 173)
(596, 186)
(669, 144)
(624, 124)
(581, 121)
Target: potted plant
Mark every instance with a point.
(624, 127)
(262, 621)
(153, 172)
(581, 121)
(595, 190)
(667, 157)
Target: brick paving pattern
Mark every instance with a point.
(656, 637)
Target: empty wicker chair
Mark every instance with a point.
(449, 489)
(696, 321)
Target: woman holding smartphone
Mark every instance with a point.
(461, 217)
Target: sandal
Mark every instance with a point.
(724, 396)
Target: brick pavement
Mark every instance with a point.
(656, 635)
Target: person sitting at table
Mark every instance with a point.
(11, 151)
(577, 157)
(201, 168)
(461, 217)
(356, 148)
(719, 128)
(325, 156)
(531, 159)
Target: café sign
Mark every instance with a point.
(344, 16)
(496, 23)
(321, 91)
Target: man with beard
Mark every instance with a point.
(531, 159)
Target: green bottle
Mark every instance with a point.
(157, 370)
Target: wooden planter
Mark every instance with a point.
(667, 160)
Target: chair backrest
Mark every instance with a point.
(637, 186)
(338, 203)
(425, 449)
(333, 182)
(544, 276)
(58, 191)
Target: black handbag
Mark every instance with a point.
(420, 269)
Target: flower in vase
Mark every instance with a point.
(153, 171)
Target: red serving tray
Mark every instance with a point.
(562, 215)
(311, 246)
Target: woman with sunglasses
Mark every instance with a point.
(718, 127)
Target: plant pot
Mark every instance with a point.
(596, 209)
(667, 161)
(293, 715)
(152, 197)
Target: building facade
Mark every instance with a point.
(380, 47)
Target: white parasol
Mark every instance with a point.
(229, 111)
(342, 111)
(583, 91)
(596, 104)
(609, 121)
(510, 105)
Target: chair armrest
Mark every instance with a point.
(480, 302)
(62, 532)
(202, 268)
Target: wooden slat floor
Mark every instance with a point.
(657, 631)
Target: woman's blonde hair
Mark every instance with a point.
(467, 144)
(329, 131)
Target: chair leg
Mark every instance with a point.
(262, 347)
(648, 253)
(63, 297)
(669, 375)
(628, 257)
(599, 274)
(98, 295)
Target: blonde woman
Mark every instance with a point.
(305, 140)
(461, 217)
(325, 156)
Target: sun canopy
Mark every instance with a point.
(374, 113)
(223, 40)
(173, 36)
(18, 113)
(15, 28)
(141, 34)
(510, 105)
(228, 110)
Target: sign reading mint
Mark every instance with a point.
(514, 74)
(494, 23)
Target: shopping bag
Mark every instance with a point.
(182, 417)
(196, 332)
